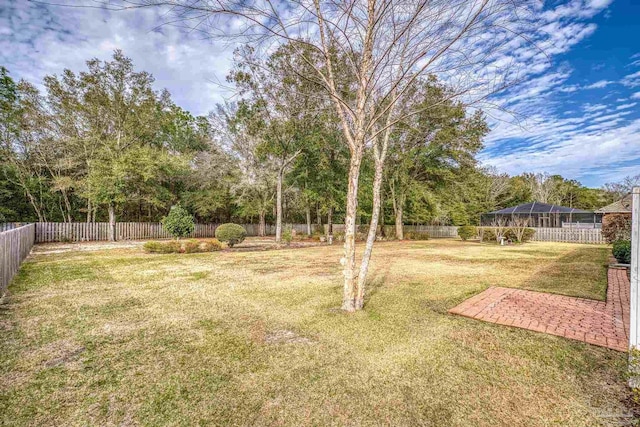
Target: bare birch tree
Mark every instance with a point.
(518, 225)
(387, 45)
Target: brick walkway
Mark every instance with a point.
(597, 322)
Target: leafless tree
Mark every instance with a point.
(518, 225)
(622, 188)
(500, 228)
(385, 46)
(480, 231)
(543, 187)
(497, 185)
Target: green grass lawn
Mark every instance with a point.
(120, 337)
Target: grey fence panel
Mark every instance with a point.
(83, 231)
(47, 232)
(15, 246)
(576, 235)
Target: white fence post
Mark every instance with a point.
(634, 327)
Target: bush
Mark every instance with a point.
(467, 232)
(338, 236)
(191, 247)
(616, 227)
(528, 234)
(509, 234)
(416, 235)
(171, 247)
(622, 251)
(287, 235)
(231, 234)
(488, 235)
(212, 245)
(179, 222)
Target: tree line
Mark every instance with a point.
(103, 144)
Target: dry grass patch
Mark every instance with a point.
(118, 337)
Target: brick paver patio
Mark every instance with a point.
(597, 322)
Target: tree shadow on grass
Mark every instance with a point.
(374, 283)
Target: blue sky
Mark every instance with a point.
(577, 114)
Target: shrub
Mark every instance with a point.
(212, 245)
(338, 236)
(509, 234)
(287, 235)
(416, 235)
(528, 234)
(616, 227)
(231, 234)
(622, 251)
(488, 235)
(179, 222)
(191, 247)
(467, 232)
(171, 247)
(512, 235)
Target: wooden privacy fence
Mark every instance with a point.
(15, 245)
(434, 230)
(576, 235)
(83, 231)
(4, 226)
(95, 231)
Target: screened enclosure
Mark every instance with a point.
(544, 215)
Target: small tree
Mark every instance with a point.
(500, 228)
(231, 234)
(519, 226)
(616, 227)
(179, 223)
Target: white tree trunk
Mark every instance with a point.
(349, 259)
(309, 220)
(371, 237)
(279, 207)
(112, 222)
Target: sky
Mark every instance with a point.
(577, 114)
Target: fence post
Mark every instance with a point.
(634, 327)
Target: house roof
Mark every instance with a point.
(621, 206)
(537, 208)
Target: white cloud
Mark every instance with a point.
(586, 154)
(36, 40)
(626, 106)
(41, 40)
(632, 80)
(599, 84)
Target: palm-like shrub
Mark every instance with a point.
(231, 234)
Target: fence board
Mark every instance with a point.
(15, 245)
